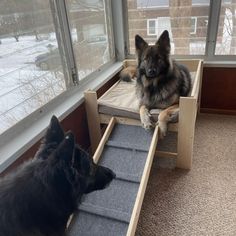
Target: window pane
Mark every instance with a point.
(185, 20)
(226, 37)
(91, 34)
(151, 27)
(30, 64)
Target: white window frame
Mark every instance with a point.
(195, 25)
(19, 138)
(148, 27)
(210, 58)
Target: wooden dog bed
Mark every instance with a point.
(128, 151)
(120, 102)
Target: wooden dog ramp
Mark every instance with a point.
(128, 150)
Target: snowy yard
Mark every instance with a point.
(24, 86)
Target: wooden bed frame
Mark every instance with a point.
(189, 106)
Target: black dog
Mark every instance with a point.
(38, 199)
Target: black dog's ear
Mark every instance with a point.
(163, 43)
(53, 137)
(65, 151)
(54, 132)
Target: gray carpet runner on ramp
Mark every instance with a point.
(108, 212)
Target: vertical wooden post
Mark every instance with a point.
(93, 119)
(200, 86)
(187, 117)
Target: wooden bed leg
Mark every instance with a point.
(187, 118)
(93, 119)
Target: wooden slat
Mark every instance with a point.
(187, 118)
(192, 64)
(143, 185)
(104, 139)
(93, 118)
(196, 85)
(105, 119)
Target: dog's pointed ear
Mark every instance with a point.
(163, 43)
(53, 137)
(54, 132)
(140, 45)
(65, 151)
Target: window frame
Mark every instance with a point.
(148, 26)
(195, 24)
(21, 136)
(60, 20)
(209, 57)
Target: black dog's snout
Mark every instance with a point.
(110, 174)
(113, 175)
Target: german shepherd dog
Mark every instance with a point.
(39, 198)
(160, 81)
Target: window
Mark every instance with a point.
(226, 36)
(186, 22)
(31, 71)
(151, 27)
(34, 64)
(193, 25)
(90, 29)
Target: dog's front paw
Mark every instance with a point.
(162, 129)
(145, 120)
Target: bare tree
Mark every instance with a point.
(180, 15)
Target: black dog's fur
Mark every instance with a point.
(38, 199)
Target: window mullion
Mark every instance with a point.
(213, 22)
(65, 41)
(118, 28)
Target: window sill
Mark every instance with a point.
(27, 132)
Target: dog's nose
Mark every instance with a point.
(152, 71)
(112, 174)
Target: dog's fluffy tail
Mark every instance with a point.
(128, 73)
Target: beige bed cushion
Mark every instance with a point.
(121, 100)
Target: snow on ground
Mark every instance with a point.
(24, 86)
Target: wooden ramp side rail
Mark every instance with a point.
(143, 184)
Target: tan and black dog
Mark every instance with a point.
(160, 81)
